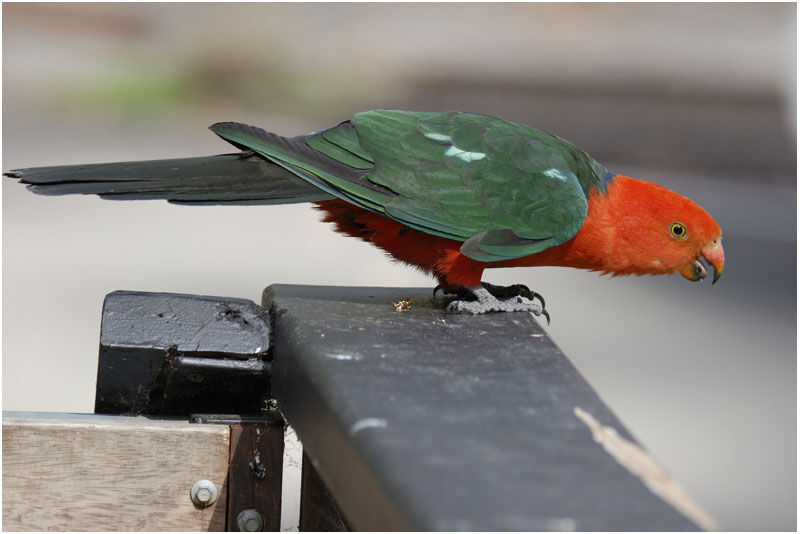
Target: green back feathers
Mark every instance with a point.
(504, 189)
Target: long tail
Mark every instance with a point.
(242, 178)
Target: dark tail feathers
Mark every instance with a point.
(243, 178)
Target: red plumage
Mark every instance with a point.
(627, 231)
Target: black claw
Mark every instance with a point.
(521, 290)
(547, 315)
(516, 290)
(435, 289)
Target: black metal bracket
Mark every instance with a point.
(172, 354)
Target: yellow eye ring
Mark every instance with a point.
(678, 230)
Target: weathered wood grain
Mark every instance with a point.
(84, 473)
(318, 510)
(256, 474)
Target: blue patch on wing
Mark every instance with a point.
(603, 185)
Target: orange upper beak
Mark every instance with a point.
(713, 255)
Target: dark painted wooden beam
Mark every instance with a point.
(173, 354)
(422, 420)
(318, 509)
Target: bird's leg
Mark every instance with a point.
(483, 301)
(463, 293)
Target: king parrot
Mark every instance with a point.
(450, 193)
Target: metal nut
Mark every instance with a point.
(204, 493)
(250, 521)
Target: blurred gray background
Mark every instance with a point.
(699, 98)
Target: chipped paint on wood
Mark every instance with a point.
(637, 461)
(368, 422)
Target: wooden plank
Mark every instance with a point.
(89, 473)
(318, 510)
(422, 420)
(255, 479)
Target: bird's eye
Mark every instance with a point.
(678, 230)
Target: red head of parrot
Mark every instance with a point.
(638, 227)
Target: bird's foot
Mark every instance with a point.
(499, 292)
(480, 300)
(516, 290)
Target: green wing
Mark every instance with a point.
(504, 189)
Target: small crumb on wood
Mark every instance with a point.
(402, 305)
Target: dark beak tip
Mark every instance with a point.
(710, 264)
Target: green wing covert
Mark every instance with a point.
(504, 189)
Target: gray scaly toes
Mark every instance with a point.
(485, 302)
(516, 290)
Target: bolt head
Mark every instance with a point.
(203, 493)
(250, 521)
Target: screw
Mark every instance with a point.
(250, 521)
(271, 405)
(204, 493)
(271, 410)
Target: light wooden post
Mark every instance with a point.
(72, 472)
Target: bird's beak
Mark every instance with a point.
(713, 255)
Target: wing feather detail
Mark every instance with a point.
(505, 190)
